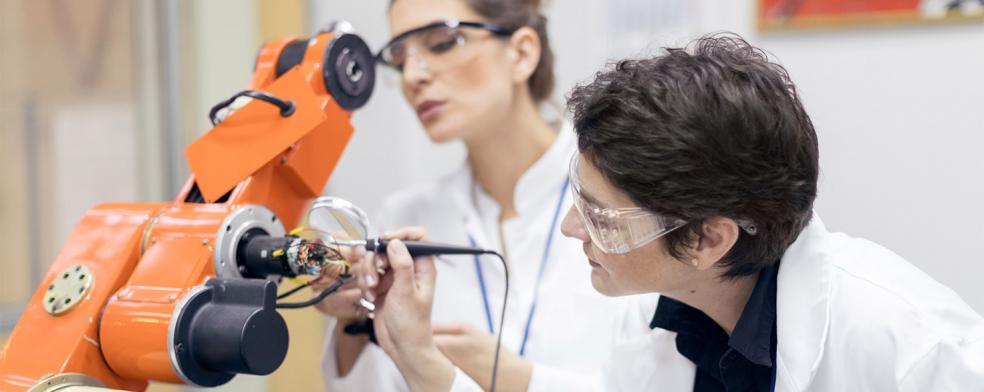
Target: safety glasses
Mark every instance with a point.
(617, 230)
(436, 46)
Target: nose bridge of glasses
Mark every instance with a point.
(438, 56)
(415, 60)
(414, 69)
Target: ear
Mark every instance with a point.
(525, 53)
(719, 236)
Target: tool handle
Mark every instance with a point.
(425, 248)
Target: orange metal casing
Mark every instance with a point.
(107, 241)
(145, 257)
(134, 327)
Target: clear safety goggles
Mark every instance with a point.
(618, 230)
(437, 46)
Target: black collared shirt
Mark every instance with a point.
(741, 362)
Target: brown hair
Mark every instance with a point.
(512, 15)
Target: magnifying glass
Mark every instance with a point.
(345, 224)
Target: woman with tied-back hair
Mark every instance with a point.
(480, 71)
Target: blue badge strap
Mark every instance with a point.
(539, 276)
(481, 285)
(774, 355)
(543, 264)
(775, 364)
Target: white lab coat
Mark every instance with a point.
(852, 316)
(571, 332)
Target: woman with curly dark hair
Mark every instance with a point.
(695, 179)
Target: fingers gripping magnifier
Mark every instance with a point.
(344, 225)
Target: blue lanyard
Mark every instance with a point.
(775, 364)
(539, 275)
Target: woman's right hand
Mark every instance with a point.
(404, 295)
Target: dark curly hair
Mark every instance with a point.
(712, 129)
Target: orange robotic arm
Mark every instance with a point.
(160, 292)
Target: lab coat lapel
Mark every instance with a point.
(655, 365)
(803, 307)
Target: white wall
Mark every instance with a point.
(900, 116)
(899, 110)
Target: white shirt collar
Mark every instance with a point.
(540, 184)
(537, 189)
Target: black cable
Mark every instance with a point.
(424, 248)
(293, 290)
(338, 283)
(324, 293)
(286, 107)
(502, 319)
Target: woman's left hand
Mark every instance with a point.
(473, 351)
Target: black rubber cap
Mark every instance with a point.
(230, 327)
(264, 342)
(349, 71)
(291, 56)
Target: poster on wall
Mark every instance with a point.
(806, 14)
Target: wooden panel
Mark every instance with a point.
(14, 268)
(156, 387)
(301, 370)
(278, 18)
